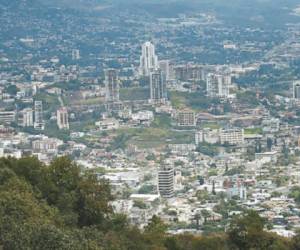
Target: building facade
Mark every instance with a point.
(232, 136)
(186, 118)
(296, 90)
(148, 59)
(112, 86)
(158, 92)
(164, 66)
(62, 118)
(218, 85)
(166, 182)
(7, 117)
(39, 123)
(26, 117)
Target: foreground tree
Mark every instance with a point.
(247, 232)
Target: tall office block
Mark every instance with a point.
(224, 83)
(296, 90)
(75, 54)
(39, 123)
(62, 118)
(148, 59)
(166, 182)
(212, 85)
(158, 92)
(26, 118)
(165, 68)
(111, 86)
(218, 85)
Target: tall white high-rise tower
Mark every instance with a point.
(148, 60)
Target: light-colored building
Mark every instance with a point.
(143, 115)
(148, 59)
(26, 119)
(271, 125)
(108, 124)
(218, 85)
(164, 66)
(112, 86)
(212, 85)
(232, 136)
(39, 123)
(182, 149)
(62, 118)
(7, 116)
(158, 92)
(166, 182)
(237, 191)
(267, 156)
(46, 145)
(186, 118)
(296, 90)
(207, 135)
(189, 72)
(75, 54)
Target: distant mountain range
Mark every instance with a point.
(240, 12)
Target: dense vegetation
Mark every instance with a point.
(60, 206)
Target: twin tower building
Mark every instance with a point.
(156, 71)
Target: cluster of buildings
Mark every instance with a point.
(178, 137)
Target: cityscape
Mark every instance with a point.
(172, 124)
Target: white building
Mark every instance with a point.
(7, 116)
(108, 124)
(296, 90)
(46, 145)
(143, 116)
(182, 149)
(164, 66)
(166, 182)
(39, 123)
(26, 117)
(62, 118)
(239, 191)
(232, 136)
(148, 59)
(271, 125)
(207, 135)
(75, 54)
(218, 85)
(267, 156)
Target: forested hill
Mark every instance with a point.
(61, 207)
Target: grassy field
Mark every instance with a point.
(84, 125)
(196, 101)
(162, 121)
(131, 94)
(156, 137)
(50, 102)
(253, 131)
(178, 100)
(211, 125)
